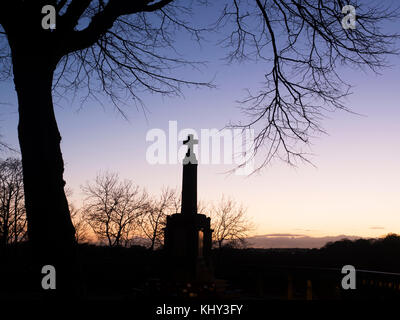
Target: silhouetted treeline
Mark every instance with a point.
(13, 221)
(117, 212)
(127, 272)
(376, 254)
(389, 243)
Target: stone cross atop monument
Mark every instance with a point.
(190, 155)
(189, 179)
(188, 234)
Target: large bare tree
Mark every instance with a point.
(82, 228)
(154, 220)
(82, 232)
(112, 208)
(230, 223)
(113, 45)
(120, 48)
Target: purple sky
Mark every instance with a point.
(353, 190)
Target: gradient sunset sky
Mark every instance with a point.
(354, 188)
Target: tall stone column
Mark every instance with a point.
(189, 179)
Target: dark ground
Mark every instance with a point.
(136, 273)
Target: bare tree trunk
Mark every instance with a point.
(50, 229)
(15, 215)
(4, 234)
(154, 238)
(7, 221)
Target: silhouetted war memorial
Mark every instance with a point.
(188, 234)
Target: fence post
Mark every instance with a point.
(290, 287)
(309, 290)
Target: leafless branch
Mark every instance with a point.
(303, 44)
(112, 208)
